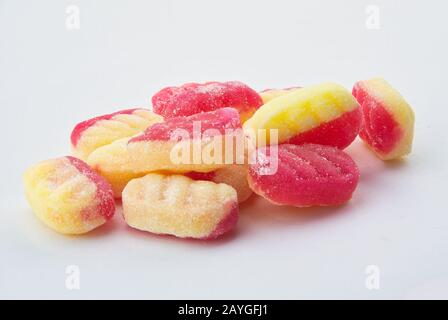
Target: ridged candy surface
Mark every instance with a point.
(99, 131)
(179, 206)
(306, 175)
(68, 196)
(192, 98)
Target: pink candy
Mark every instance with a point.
(388, 119)
(306, 175)
(192, 98)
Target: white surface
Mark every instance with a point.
(51, 78)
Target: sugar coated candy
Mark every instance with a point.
(184, 144)
(269, 94)
(192, 98)
(388, 119)
(234, 175)
(68, 196)
(323, 114)
(304, 175)
(179, 206)
(96, 132)
(114, 163)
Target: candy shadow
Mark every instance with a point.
(370, 166)
(117, 223)
(257, 210)
(260, 211)
(396, 164)
(111, 226)
(105, 230)
(222, 240)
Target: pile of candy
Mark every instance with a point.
(299, 162)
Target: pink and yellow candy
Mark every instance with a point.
(68, 196)
(323, 114)
(99, 131)
(179, 206)
(235, 175)
(193, 98)
(114, 163)
(388, 119)
(181, 144)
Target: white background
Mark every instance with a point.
(51, 78)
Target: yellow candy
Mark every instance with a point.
(103, 130)
(114, 163)
(299, 115)
(179, 206)
(68, 196)
(235, 175)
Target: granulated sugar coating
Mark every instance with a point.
(183, 169)
(114, 163)
(192, 98)
(157, 147)
(388, 119)
(91, 134)
(307, 175)
(68, 196)
(179, 206)
(323, 114)
(235, 175)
